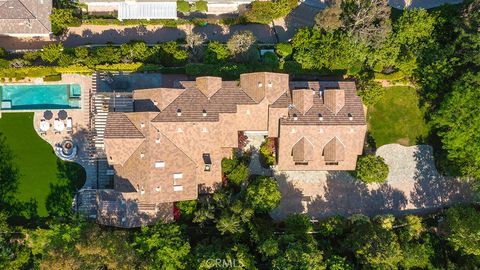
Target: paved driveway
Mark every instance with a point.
(413, 185)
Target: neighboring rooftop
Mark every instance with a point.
(25, 17)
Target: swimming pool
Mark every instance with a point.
(40, 97)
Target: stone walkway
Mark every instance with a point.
(413, 185)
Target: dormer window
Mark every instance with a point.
(295, 117)
(320, 117)
(350, 116)
(179, 112)
(204, 113)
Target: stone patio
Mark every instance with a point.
(413, 185)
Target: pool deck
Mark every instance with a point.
(80, 119)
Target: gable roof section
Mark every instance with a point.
(334, 150)
(192, 103)
(334, 99)
(119, 126)
(209, 85)
(25, 17)
(319, 114)
(155, 99)
(120, 150)
(302, 150)
(259, 85)
(303, 99)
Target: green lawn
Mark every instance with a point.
(37, 163)
(397, 118)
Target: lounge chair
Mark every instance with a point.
(69, 125)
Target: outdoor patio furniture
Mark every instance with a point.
(69, 125)
(58, 126)
(48, 114)
(62, 114)
(44, 126)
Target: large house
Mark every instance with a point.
(25, 18)
(171, 147)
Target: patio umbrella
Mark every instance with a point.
(62, 114)
(48, 115)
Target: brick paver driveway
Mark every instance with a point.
(413, 185)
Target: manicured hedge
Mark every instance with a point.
(52, 78)
(395, 76)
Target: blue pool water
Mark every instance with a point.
(40, 97)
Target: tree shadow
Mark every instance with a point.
(292, 199)
(433, 190)
(344, 195)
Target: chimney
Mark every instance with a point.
(179, 112)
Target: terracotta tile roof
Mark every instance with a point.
(120, 150)
(351, 113)
(156, 99)
(193, 106)
(302, 99)
(334, 150)
(334, 99)
(209, 85)
(264, 84)
(25, 17)
(119, 126)
(302, 150)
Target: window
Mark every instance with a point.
(331, 163)
(301, 163)
(159, 164)
(177, 175)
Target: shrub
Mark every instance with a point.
(4, 63)
(52, 52)
(170, 54)
(263, 194)
(265, 11)
(183, 6)
(238, 175)
(395, 76)
(52, 78)
(3, 53)
(284, 49)
(228, 165)
(61, 19)
(31, 56)
(370, 91)
(201, 6)
(371, 169)
(267, 153)
(216, 52)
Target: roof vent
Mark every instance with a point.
(155, 102)
(142, 191)
(157, 140)
(157, 189)
(320, 117)
(204, 112)
(142, 125)
(142, 155)
(350, 116)
(295, 117)
(260, 84)
(270, 84)
(179, 112)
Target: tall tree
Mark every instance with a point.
(367, 20)
(462, 224)
(457, 119)
(163, 246)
